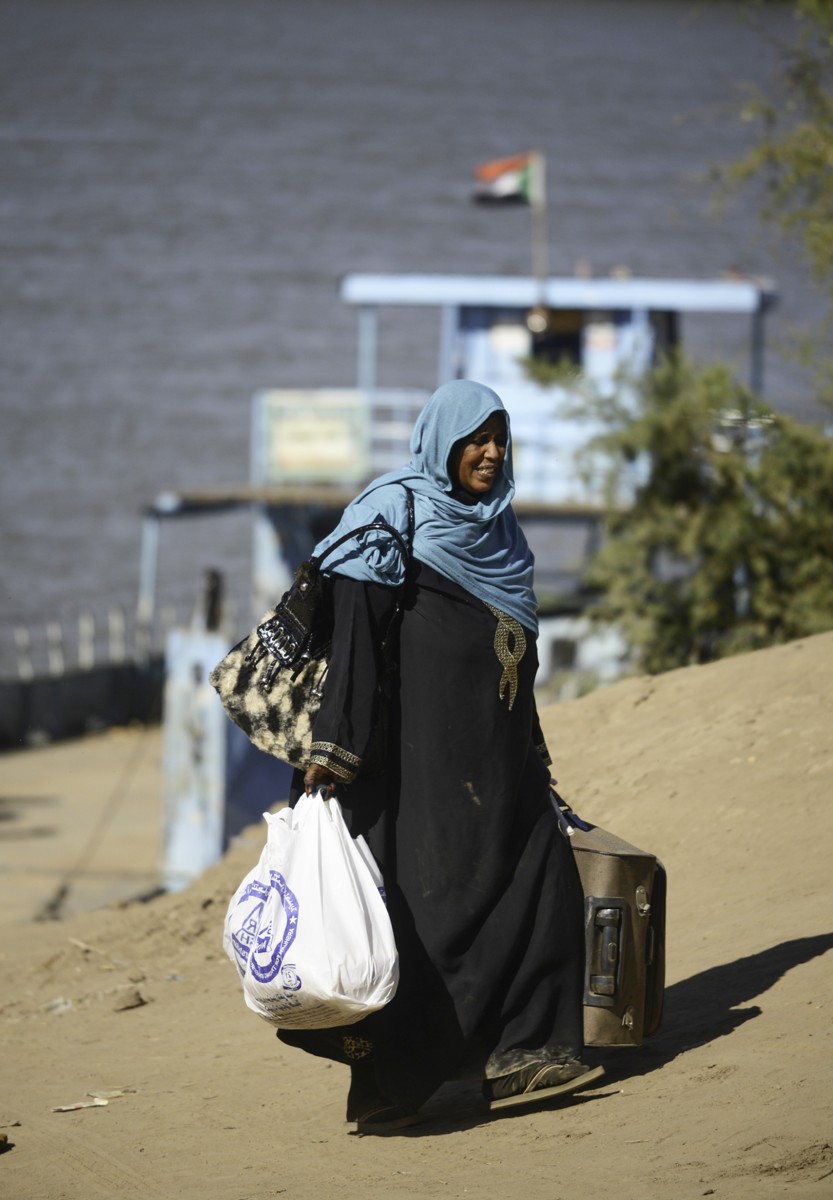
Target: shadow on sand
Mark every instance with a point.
(697, 1011)
(706, 1006)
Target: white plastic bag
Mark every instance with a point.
(308, 929)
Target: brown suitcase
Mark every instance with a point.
(624, 926)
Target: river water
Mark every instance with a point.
(185, 183)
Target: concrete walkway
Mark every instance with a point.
(80, 824)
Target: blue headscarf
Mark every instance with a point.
(478, 545)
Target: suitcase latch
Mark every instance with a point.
(604, 929)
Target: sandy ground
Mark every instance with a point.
(724, 771)
(80, 824)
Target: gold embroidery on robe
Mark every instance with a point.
(338, 760)
(509, 653)
(356, 1047)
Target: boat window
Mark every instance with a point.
(666, 331)
(556, 334)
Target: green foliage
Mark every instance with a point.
(563, 373)
(794, 156)
(795, 148)
(727, 546)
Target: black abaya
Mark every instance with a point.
(482, 887)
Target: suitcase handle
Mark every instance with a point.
(568, 821)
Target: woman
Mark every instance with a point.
(453, 794)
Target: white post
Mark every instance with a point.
(23, 646)
(55, 648)
(115, 635)
(86, 641)
(147, 585)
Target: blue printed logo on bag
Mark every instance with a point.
(259, 952)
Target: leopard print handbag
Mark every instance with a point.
(272, 682)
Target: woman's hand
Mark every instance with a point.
(316, 777)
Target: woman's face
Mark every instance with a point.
(477, 460)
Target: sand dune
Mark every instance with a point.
(725, 771)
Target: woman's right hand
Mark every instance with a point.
(316, 777)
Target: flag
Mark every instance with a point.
(517, 179)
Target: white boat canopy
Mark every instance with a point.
(473, 305)
(504, 291)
